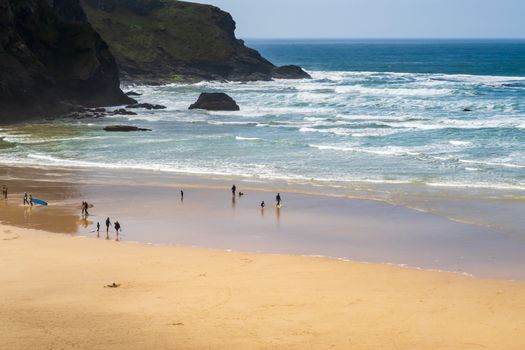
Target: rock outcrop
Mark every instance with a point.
(51, 59)
(216, 101)
(163, 41)
(290, 72)
(124, 128)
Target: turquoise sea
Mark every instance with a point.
(436, 113)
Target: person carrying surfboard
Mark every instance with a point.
(26, 201)
(30, 199)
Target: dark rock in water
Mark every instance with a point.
(123, 128)
(217, 101)
(146, 106)
(133, 93)
(178, 41)
(467, 110)
(51, 59)
(290, 72)
(123, 111)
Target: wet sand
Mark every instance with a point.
(53, 296)
(150, 210)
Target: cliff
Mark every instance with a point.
(161, 41)
(51, 58)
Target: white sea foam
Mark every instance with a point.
(240, 138)
(460, 143)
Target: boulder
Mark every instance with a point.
(217, 101)
(133, 93)
(122, 111)
(123, 128)
(290, 72)
(146, 106)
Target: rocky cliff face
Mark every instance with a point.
(50, 58)
(160, 41)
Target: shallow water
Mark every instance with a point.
(376, 114)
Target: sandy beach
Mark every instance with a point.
(53, 296)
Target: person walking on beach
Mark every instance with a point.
(86, 206)
(181, 195)
(278, 199)
(83, 207)
(234, 189)
(117, 228)
(108, 223)
(4, 191)
(26, 201)
(263, 205)
(98, 229)
(30, 199)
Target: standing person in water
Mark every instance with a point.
(181, 195)
(278, 199)
(4, 191)
(234, 189)
(86, 205)
(263, 205)
(26, 201)
(98, 229)
(30, 199)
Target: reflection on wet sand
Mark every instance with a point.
(362, 230)
(59, 217)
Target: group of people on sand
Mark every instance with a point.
(28, 199)
(118, 229)
(278, 198)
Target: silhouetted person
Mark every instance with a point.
(263, 205)
(117, 228)
(234, 189)
(181, 195)
(31, 199)
(83, 206)
(98, 229)
(26, 200)
(278, 199)
(108, 223)
(4, 191)
(86, 206)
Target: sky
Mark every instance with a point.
(376, 18)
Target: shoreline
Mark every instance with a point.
(54, 294)
(315, 224)
(462, 204)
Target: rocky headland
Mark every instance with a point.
(52, 59)
(165, 41)
(59, 56)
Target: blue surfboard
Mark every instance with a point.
(39, 201)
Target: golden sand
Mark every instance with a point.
(53, 295)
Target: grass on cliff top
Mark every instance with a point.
(168, 33)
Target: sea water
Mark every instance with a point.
(429, 113)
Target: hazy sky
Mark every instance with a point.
(376, 18)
